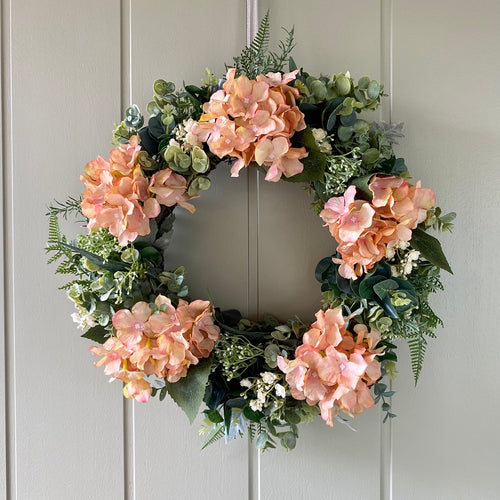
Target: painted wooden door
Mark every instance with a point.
(68, 70)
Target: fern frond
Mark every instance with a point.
(252, 59)
(418, 346)
(216, 434)
(286, 47)
(71, 205)
(251, 431)
(256, 59)
(56, 239)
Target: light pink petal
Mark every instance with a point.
(152, 208)
(141, 311)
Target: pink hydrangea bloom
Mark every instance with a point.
(253, 120)
(364, 230)
(116, 195)
(334, 367)
(164, 341)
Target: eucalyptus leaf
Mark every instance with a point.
(288, 440)
(383, 288)
(344, 133)
(349, 120)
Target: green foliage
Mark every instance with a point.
(70, 206)
(383, 394)
(440, 222)
(256, 59)
(421, 322)
(430, 248)
(188, 392)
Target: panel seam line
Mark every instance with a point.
(8, 253)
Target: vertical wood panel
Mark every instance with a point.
(176, 41)
(66, 96)
(332, 37)
(446, 90)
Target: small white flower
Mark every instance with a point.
(319, 134)
(403, 245)
(325, 147)
(255, 405)
(246, 383)
(395, 271)
(407, 268)
(280, 391)
(268, 377)
(261, 396)
(390, 252)
(84, 319)
(413, 255)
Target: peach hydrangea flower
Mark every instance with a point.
(253, 120)
(170, 189)
(366, 230)
(334, 367)
(116, 194)
(163, 341)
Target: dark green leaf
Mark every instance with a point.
(97, 334)
(148, 143)
(390, 356)
(108, 265)
(362, 184)
(151, 253)
(389, 308)
(314, 168)
(228, 411)
(163, 393)
(305, 138)
(214, 416)
(236, 403)
(193, 89)
(430, 248)
(399, 167)
(344, 284)
(253, 416)
(188, 392)
(366, 287)
(156, 127)
(326, 271)
(292, 417)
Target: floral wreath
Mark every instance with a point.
(263, 376)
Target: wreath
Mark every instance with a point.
(261, 376)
